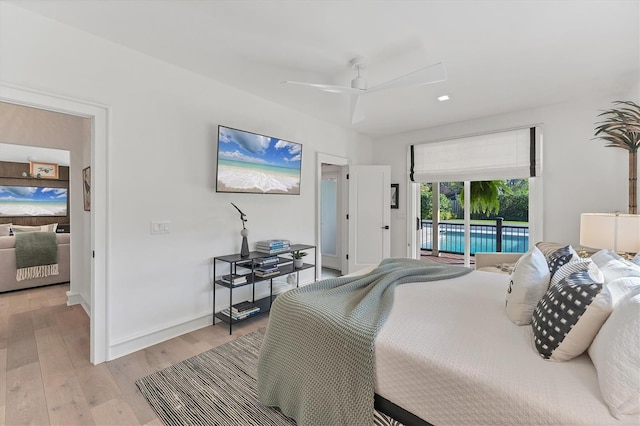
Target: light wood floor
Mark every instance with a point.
(45, 374)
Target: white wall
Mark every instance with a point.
(579, 174)
(161, 166)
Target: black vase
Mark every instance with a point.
(244, 251)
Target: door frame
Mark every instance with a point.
(99, 115)
(338, 161)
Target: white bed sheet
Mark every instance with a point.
(449, 354)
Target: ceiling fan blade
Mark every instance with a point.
(327, 87)
(357, 109)
(432, 74)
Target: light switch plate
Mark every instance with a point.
(160, 226)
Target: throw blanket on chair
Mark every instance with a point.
(316, 360)
(36, 255)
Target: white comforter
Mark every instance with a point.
(449, 354)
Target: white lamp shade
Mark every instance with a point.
(620, 232)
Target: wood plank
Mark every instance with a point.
(77, 347)
(114, 412)
(3, 385)
(98, 385)
(52, 353)
(65, 401)
(45, 317)
(26, 403)
(21, 343)
(125, 371)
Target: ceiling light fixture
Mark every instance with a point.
(443, 98)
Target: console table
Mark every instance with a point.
(235, 265)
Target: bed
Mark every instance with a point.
(448, 355)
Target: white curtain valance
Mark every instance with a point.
(510, 154)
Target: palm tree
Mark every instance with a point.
(621, 129)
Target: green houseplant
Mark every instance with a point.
(620, 128)
(297, 257)
(485, 196)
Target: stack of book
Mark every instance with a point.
(241, 310)
(266, 271)
(234, 279)
(273, 246)
(267, 261)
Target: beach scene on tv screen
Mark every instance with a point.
(32, 201)
(248, 162)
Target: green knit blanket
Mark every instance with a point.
(36, 255)
(316, 361)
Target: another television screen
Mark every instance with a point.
(33, 201)
(252, 163)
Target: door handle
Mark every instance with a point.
(385, 227)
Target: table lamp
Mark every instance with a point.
(617, 231)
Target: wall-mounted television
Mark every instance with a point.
(33, 201)
(258, 164)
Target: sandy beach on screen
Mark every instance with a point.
(242, 180)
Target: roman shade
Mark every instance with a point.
(509, 154)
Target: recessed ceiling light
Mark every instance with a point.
(443, 98)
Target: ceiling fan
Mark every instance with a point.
(432, 74)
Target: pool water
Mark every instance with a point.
(483, 239)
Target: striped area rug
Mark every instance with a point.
(217, 387)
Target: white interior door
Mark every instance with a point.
(331, 225)
(369, 190)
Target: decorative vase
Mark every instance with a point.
(298, 263)
(244, 251)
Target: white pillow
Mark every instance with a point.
(42, 228)
(616, 356)
(613, 266)
(568, 317)
(621, 287)
(5, 229)
(636, 259)
(529, 282)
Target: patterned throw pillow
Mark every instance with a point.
(579, 265)
(560, 257)
(570, 314)
(529, 282)
(636, 259)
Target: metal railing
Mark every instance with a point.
(484, 237)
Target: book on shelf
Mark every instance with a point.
(230, 314)
(234, 279)
(267, 274)
(271, 260)
(273, 243)
(272, 250)
(243, 306)
(244, 313)
(273, 246)
(270, 268)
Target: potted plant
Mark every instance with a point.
(485, 196)
(297, 258)
(621, 129)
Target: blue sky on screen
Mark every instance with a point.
(31, 193)
(238, 145)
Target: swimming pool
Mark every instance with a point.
(515, 239)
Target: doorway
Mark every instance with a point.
(330, 219)
(94, 249)
(331, 191)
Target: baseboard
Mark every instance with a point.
(135, 343)
(74, 298)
